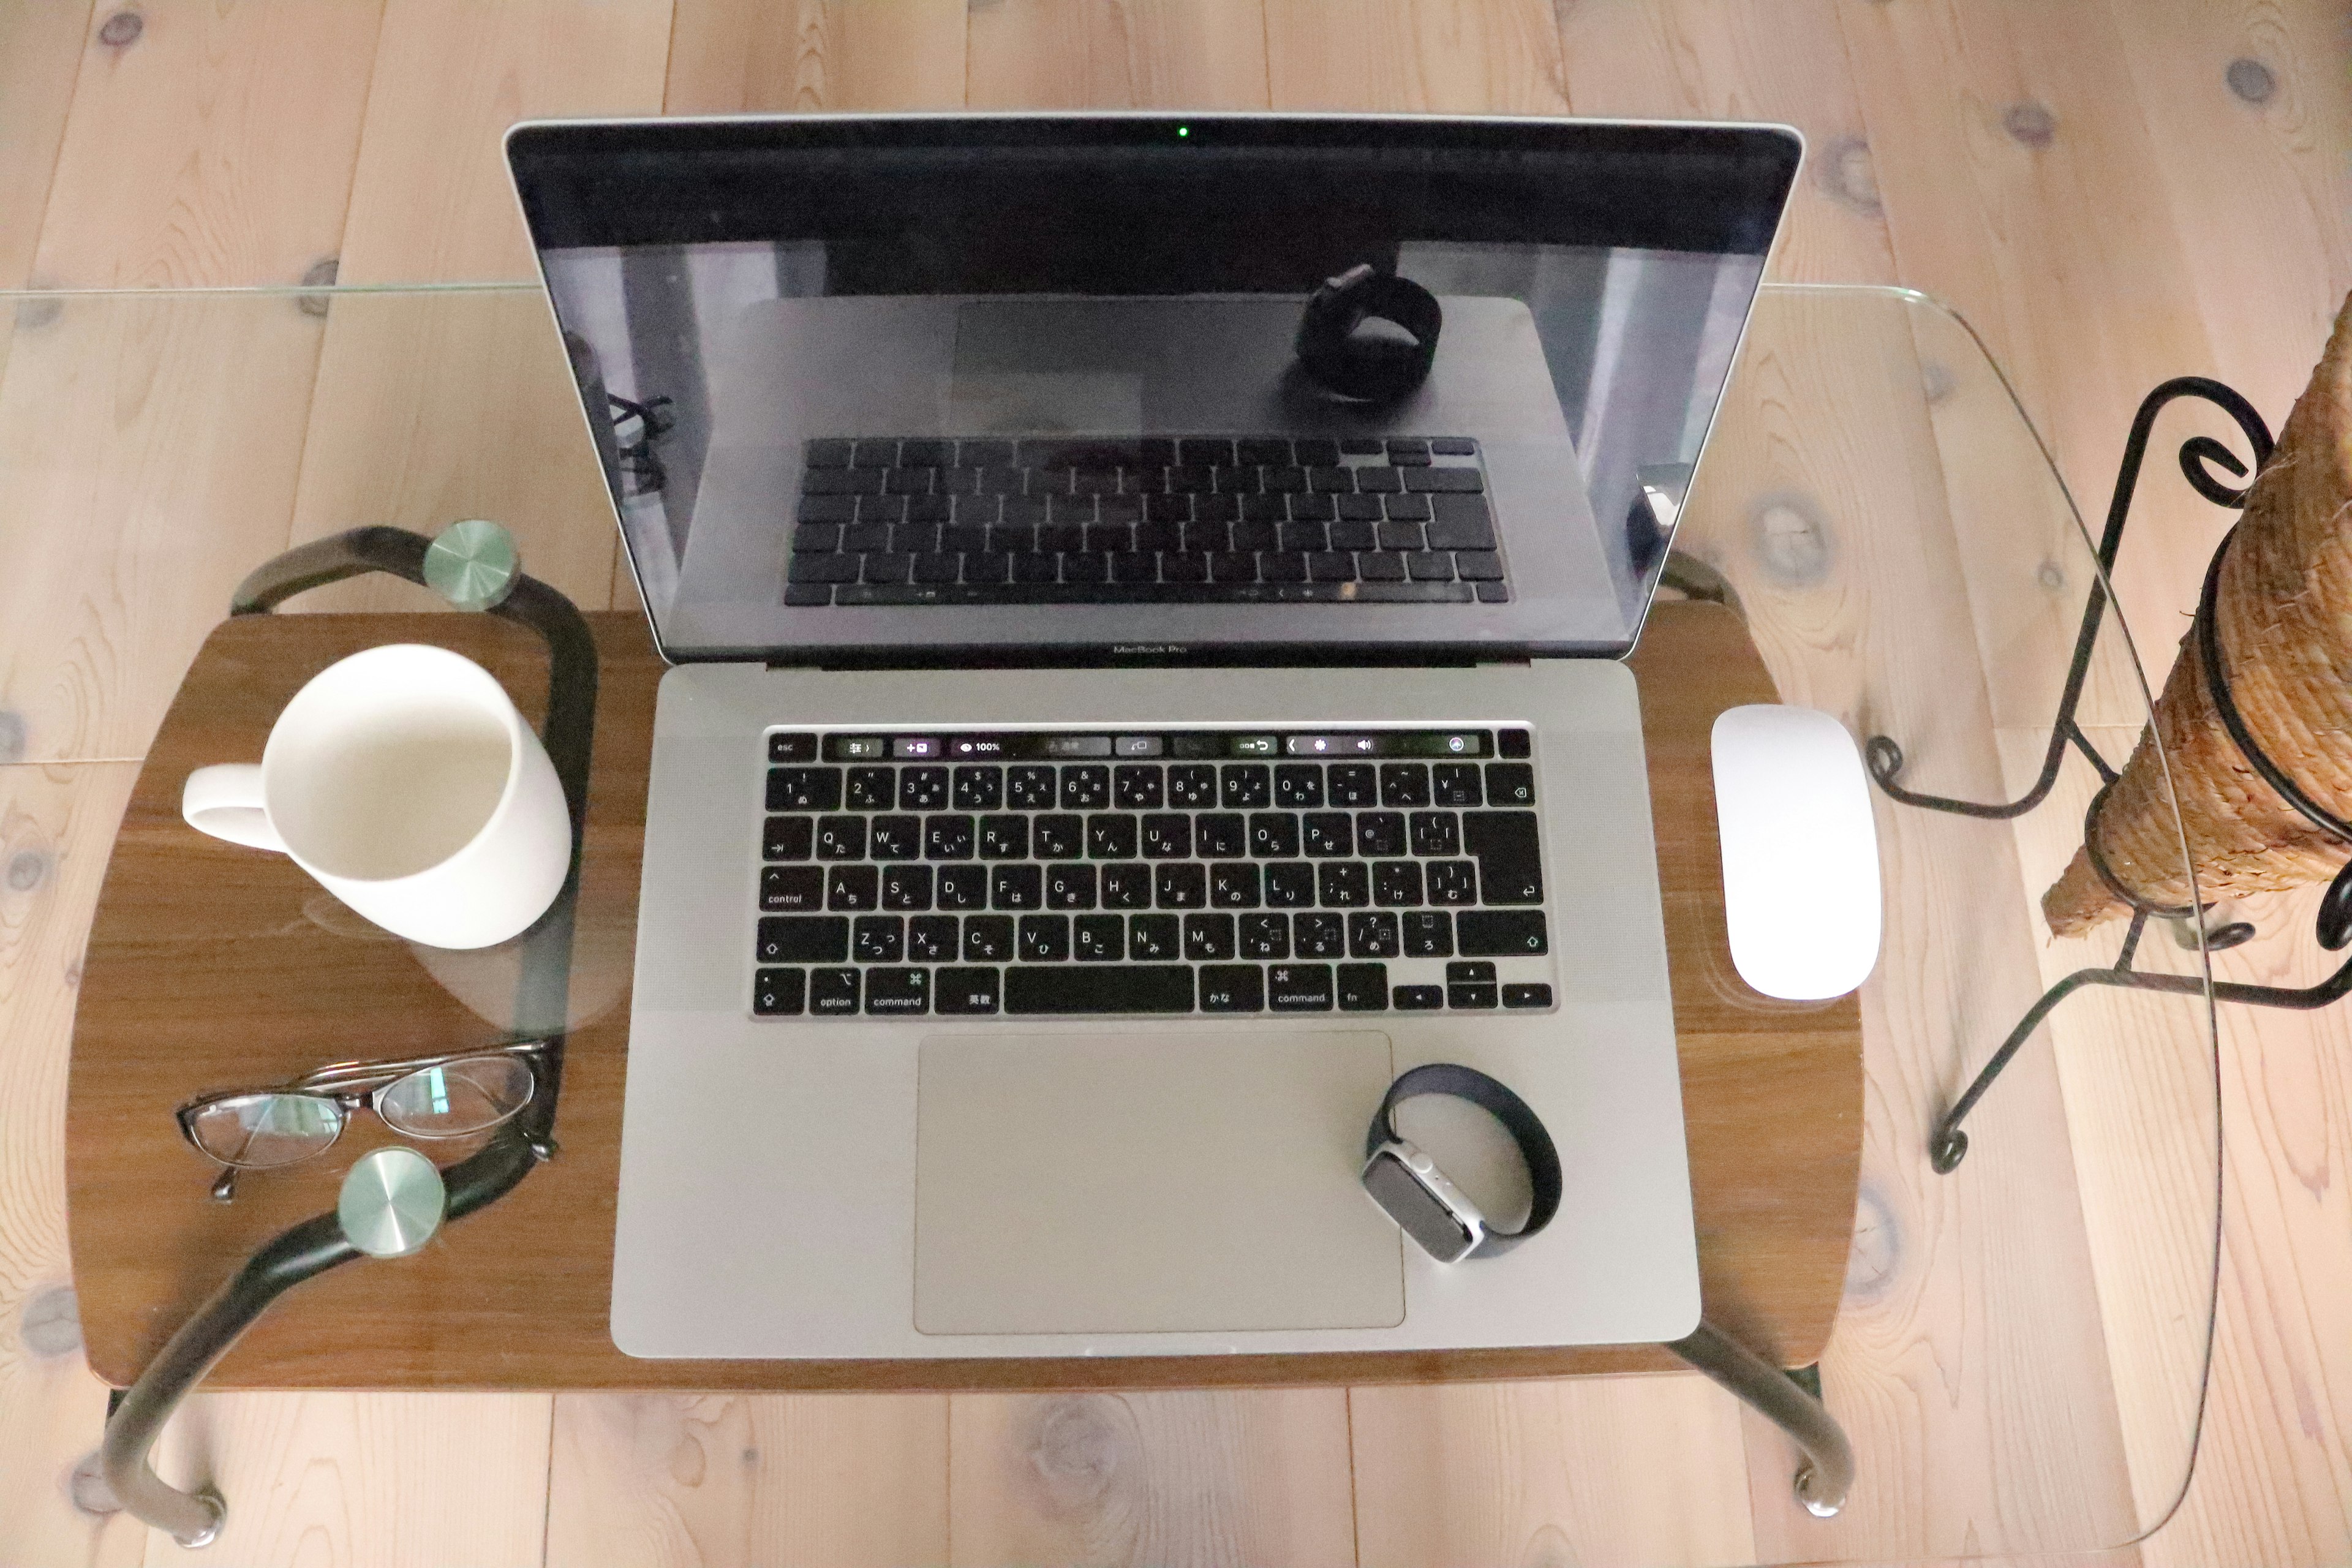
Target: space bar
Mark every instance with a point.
(1130, 988)
(879, 594)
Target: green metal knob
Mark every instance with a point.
(473, 564)
(391, 1201)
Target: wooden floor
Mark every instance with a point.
(2112, 191)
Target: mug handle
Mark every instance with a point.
(225, 800)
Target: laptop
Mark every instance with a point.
(1146, 597)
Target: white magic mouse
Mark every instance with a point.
(1800, 891)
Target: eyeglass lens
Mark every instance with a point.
(256, 1131)
(457, 1097)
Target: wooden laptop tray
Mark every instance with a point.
(211, 967)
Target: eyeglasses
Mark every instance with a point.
(447, 1096)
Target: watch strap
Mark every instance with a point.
(1378, 371)
(1519, 1118)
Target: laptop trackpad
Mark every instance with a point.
(1150, 1183)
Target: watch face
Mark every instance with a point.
(1405, 1200)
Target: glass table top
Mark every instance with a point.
(2035, 1322)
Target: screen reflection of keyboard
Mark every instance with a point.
(1216, 871)
(1210, 520)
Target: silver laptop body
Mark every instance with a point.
(1019, 971)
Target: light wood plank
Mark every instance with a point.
(1611, 1470)
(1976, 1392)
(360, 1479)
(737, 56)
(39, 47)
(2249, 108)
(56, 825)
(819, 1480)
(1786, 62)
(1166, 1480)
(1119, 54)
(215, 147)
(2020, 187)
(151, 445)
(440, 406)
(1459, 57)
(430, 199)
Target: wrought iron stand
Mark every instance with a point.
(1948, 1145)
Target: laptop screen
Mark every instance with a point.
(1046, 389)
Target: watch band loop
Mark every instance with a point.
(1526, 1128)
(1371, 370)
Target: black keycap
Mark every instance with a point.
(1209, 936)
(877, 938)
(905, 886)
(1192, 786)
(1316, 452)
(947, 837)
(898, 991)
(1331, 480)
(803, 789)
(1189, 568)
(1455, 784)
(1380, 833)
(978, 788)
(1246, 787)
(791, 747)
(1396, 884)
(788, 838)
(1270, 451)
(1510, 868)
(1085, 787)
(1121, 988)
(1399, 536)
(1353, 535)
(873, 789)
(803, 938)
(1452, 882)
(885, 568)
(1428, 933)
(988, 939)
(1483, 567)
(1265, 936)
(1070, 887)
(1044, 939)
(1515, 933)
(1435, 833)
(1445, 480)
(932, 939)
(966, 992)
(1353, 784)
(1364, 987)
(828, 454)
(1100, 939)
(841, 838)
(1137, 786)
(780, 992)
(1479, 996)
(1180, 885)
(1111, 835)
(1233, 885)
(923, 789)
(1404, 783)
(1274, 835)
(963, 886)
(805, 595)
(1017, 887)
(1514, 743)
(816, 538)
(1317, 935)
(1343, 884)
(1299, 988)
(1126, 887)
(792, 889)
(1298, 784)
(1003, 837)
(841, 482)
(1299, 537)
(1153, 936)
(1382, 568)
(1460, 522)
(1372, 933)
(1330, 566)
(1527, 996)
(1418, 999)
(1219, 835)
(1234, 566)
(1290, 885)
(895, 838)
(1329, 833)
(1233, 988)
(1424, 566)
(1167, 835)
(1510, 784)
(1282, 566)
(1057, 836)
(832, 991)
(852, 888)
(1030, 787)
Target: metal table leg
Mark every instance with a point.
(1827, 1473)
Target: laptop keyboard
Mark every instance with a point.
(1052, 872)
(1197, 519)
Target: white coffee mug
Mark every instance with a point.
(405, 781)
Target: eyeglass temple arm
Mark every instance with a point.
(290, 1258)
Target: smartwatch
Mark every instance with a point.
(1372, 369)
(1414, 1192)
